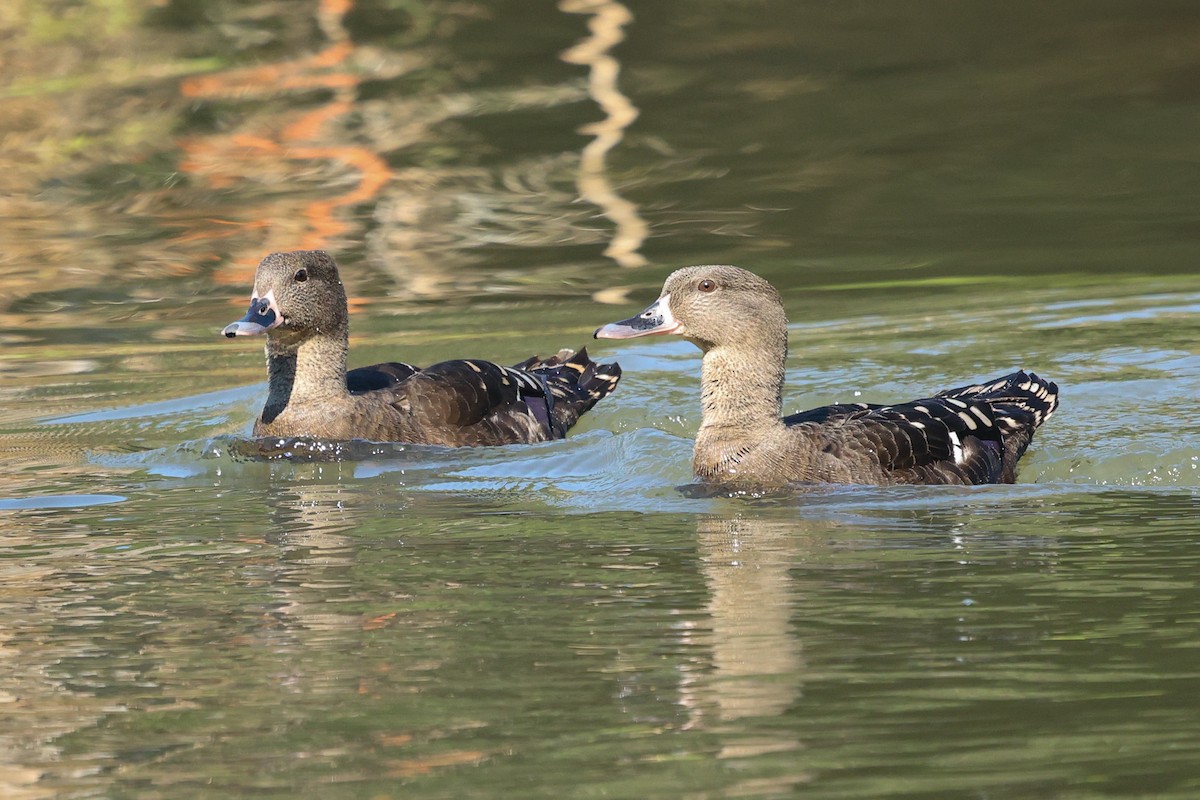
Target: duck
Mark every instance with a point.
(299, 303)
(970, 435)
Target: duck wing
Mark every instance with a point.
(475, 402)
(379, 376)
(827, 413)
(575, 382)
(973, 434)
(1021, 402)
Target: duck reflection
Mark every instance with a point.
(755, 654)
(316, 516)
(312, 522)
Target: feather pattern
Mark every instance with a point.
(974, 434)
(478, 402)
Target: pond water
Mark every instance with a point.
(942, 191)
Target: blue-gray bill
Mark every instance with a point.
(258, 320)
(656, 320)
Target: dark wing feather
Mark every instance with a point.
(936, 440)
(828, 413)
(575, 383)
(379, 376)
(973, 434)
(475, 402)
(1021, 402)
(465, 392)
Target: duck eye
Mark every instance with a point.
(301, 275)
(706, 285)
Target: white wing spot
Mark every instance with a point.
(977, 411)
(917, 425)
(471, 364)
(956, 402)
(922, 409)
(956, 448)
(968, 420)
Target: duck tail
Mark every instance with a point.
(574, 382)
(1021, 402)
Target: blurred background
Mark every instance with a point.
(942, 191)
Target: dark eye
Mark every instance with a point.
(301, 275)
(706, 285)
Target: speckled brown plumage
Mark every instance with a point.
(299, 302)
(974, 434)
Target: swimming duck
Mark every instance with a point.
(300, 304)
(970, 435)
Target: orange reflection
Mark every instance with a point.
(223, 161)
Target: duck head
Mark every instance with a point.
(711, 306)
(297, 295)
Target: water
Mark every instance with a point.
(943, 192)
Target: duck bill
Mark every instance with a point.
(262, 316)
(656, 320)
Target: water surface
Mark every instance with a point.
(943, 192)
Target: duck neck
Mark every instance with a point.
(300, 372)
(740, 388)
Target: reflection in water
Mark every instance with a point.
(310, 521)
(421, 217)
(756, 657)
(37, 707)
(225, 160)
(606, 25)
(314, 515)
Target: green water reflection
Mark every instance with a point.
(302, 643)
(942, 192)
